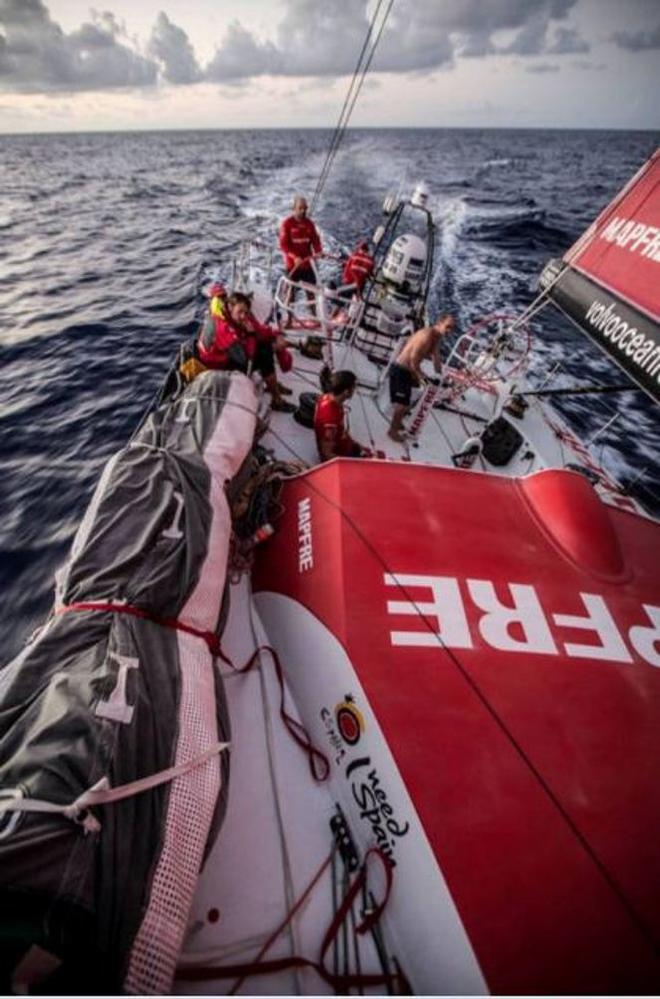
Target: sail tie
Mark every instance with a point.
(318, 761)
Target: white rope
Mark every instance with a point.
(102, 794)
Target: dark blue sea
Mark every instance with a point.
(106, 239)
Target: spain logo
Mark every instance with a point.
(349, 721)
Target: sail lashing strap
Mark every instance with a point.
(210, 637)
(319, 764)
(318, 761)
(102, 794)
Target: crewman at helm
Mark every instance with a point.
(358, 267)
(236, 340)
(332, 438)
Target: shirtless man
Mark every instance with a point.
(406, 370)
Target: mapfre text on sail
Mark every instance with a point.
(638, 237)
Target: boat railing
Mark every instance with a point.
(316, 308)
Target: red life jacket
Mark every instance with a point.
(216, 337)
(218, 334)
(357, 268)
(298, 238)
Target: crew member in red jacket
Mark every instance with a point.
(236, 339)
(299, 242)
(358, 267)
(332, 438)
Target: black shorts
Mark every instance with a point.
(303, 273)
(401, 384)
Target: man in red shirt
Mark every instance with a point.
(358, 267)
(299, 242)
(332, 439)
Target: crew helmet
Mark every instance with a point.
(405, 262)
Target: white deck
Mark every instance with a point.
(548, 441)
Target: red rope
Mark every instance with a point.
(341, 983)
(318, 761)
(210, 637)
(287, 919)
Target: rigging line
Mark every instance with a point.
(587, 237)
(322, 177)
(356, 943)
(543, 297)
(633, 915)
(351, 96)
(362, 79)
(342, 121)
(438, 422)
(335, 910)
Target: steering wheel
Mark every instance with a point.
(493, 348)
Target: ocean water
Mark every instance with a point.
(106, 239)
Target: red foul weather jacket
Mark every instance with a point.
(357, 269)
(298, 238)
(218, 335)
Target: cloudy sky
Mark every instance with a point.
(65, 65)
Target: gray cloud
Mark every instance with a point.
(543, 67)
(567, 41)
(170, 45)
(36, 55)
(314, 39)
(241, 56)
(638, 41)
(531, 39)
(474, 44)
(535, 37)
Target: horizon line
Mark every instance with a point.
(330, 128)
